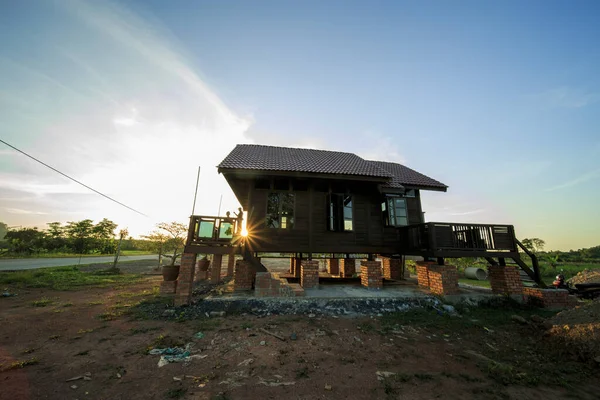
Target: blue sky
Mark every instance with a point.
(499, 100)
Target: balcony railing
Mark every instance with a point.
(439, 239)
(208, 230)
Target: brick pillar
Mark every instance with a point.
(370, 274)
(333, 266)
(243, 276)
(505, 280)
(347, 267)
(215, 268)
(549, 298)
(297, 267)
(443, 279)
(186, 279)
(309, 275)
(292, 270)
(168, 287)
(423, 272)
(230, 264)
(392, 268)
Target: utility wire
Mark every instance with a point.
(73, 179)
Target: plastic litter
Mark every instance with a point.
(175, 354)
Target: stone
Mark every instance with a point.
(328, 387)
(263, 343)
(519, 319)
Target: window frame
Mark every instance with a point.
(387, 215)
(289, 225)
(336, 217)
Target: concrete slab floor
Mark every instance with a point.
(396, 290)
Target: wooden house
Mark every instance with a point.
(307, 203)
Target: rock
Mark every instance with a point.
(87, 374)
(328, 387)
(263, 343)
(217, 313)
(597, 359)
(73, 386)
(537, 319)
(381, 375)
(168, 313)
(519, 319)
(246, 362)
(87, 378)
(311, 315)
(448, 308)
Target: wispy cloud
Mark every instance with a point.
(471, 212)
(23, 212)
(566, 97)
(588, 176)
(123, 111)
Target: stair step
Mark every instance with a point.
(297, 289)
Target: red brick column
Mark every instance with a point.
(392, 268)
(297, 267)
(186, 279)
(333, 266)
(505, 280)
(215, 268)
(423, 272)
(243, 276)
(370, 274)
(230, 264)
(309, 275)
(443, 279)
(549, 298)
(347, 267)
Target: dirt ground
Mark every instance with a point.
(48, 337)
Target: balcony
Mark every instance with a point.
(441, 239)
(213, 235)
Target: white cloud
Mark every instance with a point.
(576, 181)
(26, 212)
(125, 114)
(566, 97)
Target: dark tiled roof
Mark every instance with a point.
(404, 176)
(270, 158)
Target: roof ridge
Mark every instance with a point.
(300, 148)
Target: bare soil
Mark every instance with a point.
(48, 337)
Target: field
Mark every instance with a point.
(89, 335)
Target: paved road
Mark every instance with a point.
(31, 263)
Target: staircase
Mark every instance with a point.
(529, 276)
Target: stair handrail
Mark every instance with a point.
(534, 261)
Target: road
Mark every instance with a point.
(31, 263)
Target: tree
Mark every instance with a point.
(177, 234)
(26, 240)
(3, 230)
(80, 235)
(104, 234)
(155, 241)
(534, 245)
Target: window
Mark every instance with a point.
(339, 210)
(394, 211)
(280, 210)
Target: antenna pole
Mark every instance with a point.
(220, 201)
(196, 192)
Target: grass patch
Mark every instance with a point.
(474, 282)
(20, 364)
(64, 278)
(67, 305)
(176, 393)
(135, 331)
(302, 373)
(43, 302)
(208, 324)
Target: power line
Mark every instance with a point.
(73, 179)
